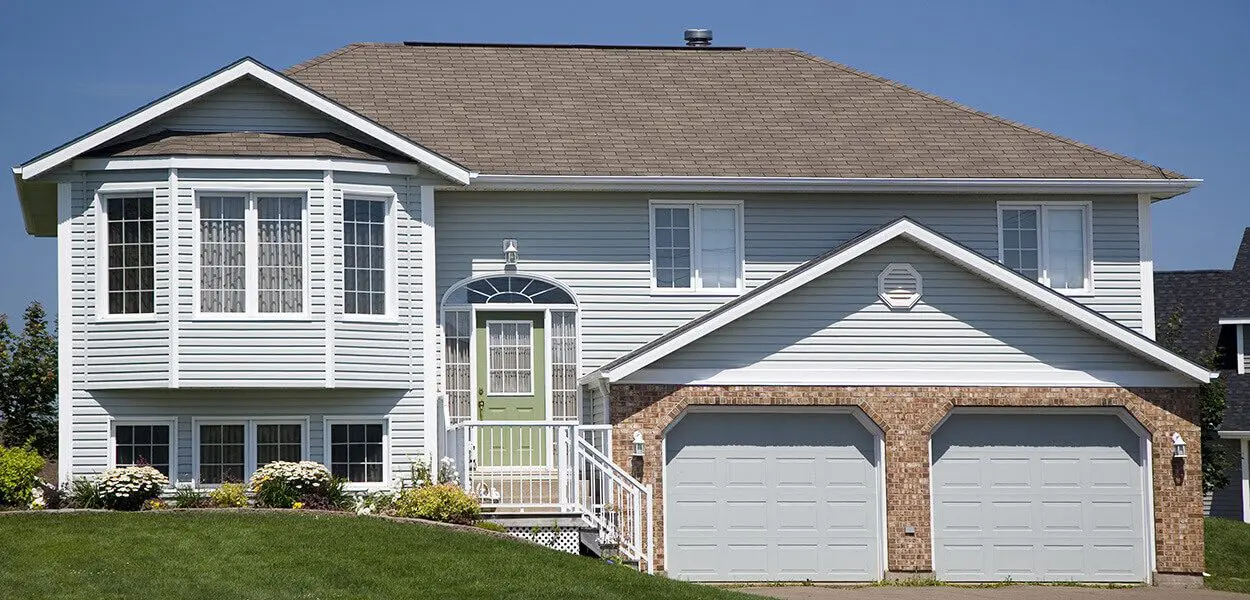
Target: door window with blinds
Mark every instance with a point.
(510, 358)
(252, 253)
(696, 246)
(1048, 242)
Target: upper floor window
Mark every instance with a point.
(1049, 242)
(130, 248)
(251, 254)
(364, 256)
(696, 246)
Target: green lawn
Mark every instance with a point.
(1228, 555)
(234, 556)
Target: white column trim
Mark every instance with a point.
(327, 218)
(175, 246)
(1146, 256)
(1245, 480)
(65, 331)
(429, 325)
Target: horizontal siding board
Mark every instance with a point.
(246, 105)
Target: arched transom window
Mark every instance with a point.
(508, 289)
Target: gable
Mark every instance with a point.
(963, 326)
(245, 105)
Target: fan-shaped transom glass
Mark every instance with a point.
(509, 289)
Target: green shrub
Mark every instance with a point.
(281, 484)
(189, 497)
(491, 526)
(83, 493)
(18, 470)
(229, 495)
(381, 502)
(127, 488)
(446, 503)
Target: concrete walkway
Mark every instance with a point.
(1012, 592)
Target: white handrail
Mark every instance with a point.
(617, 504)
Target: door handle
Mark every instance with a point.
(481, 406)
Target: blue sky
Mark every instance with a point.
(1166, 82)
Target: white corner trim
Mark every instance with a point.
(830, 184)
(246, 67)
(328, 269)
(429, 322)
(1245, 480)
(978, 264)
(175, 294)
(831, 375)
(65, 331)
(1146, 255)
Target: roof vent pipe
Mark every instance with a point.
(698, 38)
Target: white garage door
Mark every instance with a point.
(770, 497)
(1038, 498)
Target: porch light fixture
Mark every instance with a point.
(510, 252)
(638, 444)
(1178, 446)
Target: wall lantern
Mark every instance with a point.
(510, 252)
(638, 447)
(1178, 446)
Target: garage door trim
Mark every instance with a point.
(878, 435)
(1146, 448)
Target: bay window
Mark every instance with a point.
(252, 254)
(1048, 242)
(696, 246)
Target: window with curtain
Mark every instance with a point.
(279, 442)
(510, 357)
(364, 256)
(252, 253)
(1048, 242)
(131, 273)
(457, 335)
(564, 365)
(221, 453)
(696, 246)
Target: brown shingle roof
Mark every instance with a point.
(247, 143)
(635, 111)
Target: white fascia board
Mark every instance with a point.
(823, 375)
(1163, 187)
(243, 68)
(1235, 435)
(987, 269)
(247, 164)
(1239, 321)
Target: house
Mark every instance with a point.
(1208, 311)
(748, 314)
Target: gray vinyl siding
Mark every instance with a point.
(1226, 501)
(245, 105)
(599, 245)
(94, 410)
(962, 322)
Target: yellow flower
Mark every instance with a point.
(297, 505)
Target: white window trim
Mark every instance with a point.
(102, 195)
(249, 441)
(252, 252)
(391, 252)
(172, 422)
(533, 374)
(385, 422)
(1087, 213)
(696, 280)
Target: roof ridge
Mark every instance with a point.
(1167, 174)
(316, 60)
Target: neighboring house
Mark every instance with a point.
(749, 313)
(1209, 310)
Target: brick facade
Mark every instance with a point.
(908, 415)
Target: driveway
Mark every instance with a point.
(1012, 592)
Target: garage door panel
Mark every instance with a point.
(1060, 512)
(795, 498)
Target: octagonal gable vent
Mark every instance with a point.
(899, 286)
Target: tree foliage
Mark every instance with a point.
(1211, 398)
(28, 383)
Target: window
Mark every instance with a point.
(251, 254)
(1048, 242)
(457, 336)
(510, 358)
(696, 246)
(222, 449)
(364, 256)
(564, 365)
(143, 444)
(131, 273)
(357, 451)
(279, 441)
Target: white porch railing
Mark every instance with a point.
(519, 466)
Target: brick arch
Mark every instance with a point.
(907, 415)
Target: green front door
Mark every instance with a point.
(511, 386)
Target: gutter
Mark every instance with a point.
(1158, 188)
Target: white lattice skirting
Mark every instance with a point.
(564, 539)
